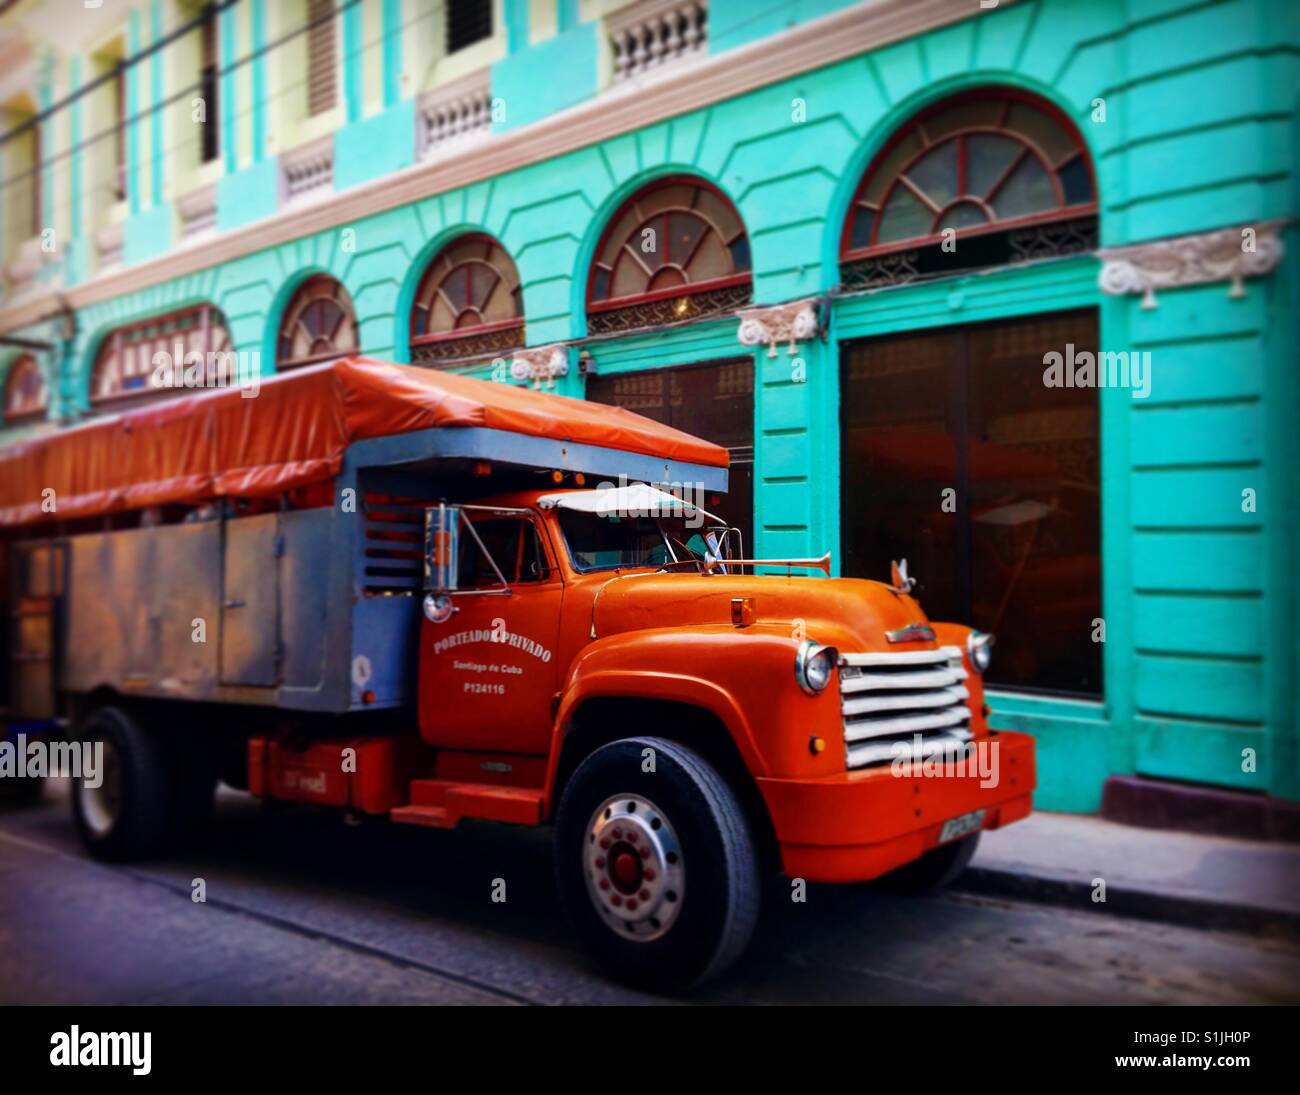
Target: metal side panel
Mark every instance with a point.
(304, 604)
(250, 607)
(385, 641)
(142, 610)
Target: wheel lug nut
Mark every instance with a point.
(604, 843)
(617, 834)
(644, 895)
(631, 904)
(649, 874)
(616, 900)
(645, 852)
(631, 837)
(600, 862)
(604, 883)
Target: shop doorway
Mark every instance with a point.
(957, 456)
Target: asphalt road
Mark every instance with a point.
(302, 908)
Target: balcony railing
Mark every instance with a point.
(108, 245)
(308, 171)
(20, 273)
(655, 33)
(456, 114)
(198, 210)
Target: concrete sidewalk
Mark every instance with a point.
(1184, 878)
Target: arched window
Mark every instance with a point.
(676, 250)
(124, 367)
(980, 179)
(25, 398)
(319, 325)
(469, 303)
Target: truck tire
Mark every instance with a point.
(934, 871)
(126, 816)
(656, 870)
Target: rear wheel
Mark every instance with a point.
(935, 870)
(657, 869)
(121, 801)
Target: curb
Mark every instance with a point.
(1136, 904)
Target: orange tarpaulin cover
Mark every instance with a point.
(293, 433)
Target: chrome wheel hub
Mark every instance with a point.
(634, 870)
(100, 806)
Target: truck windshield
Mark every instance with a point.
(599, 541)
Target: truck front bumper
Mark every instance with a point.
(860, 825)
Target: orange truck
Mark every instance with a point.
(426, 598)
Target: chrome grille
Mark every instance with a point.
(887, 699)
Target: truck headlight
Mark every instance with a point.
(813, 666)
(979, 647)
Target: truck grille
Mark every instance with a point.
(888, 699)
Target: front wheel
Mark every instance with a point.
(655, 864)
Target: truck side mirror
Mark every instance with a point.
(441, 548)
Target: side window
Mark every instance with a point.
(513, 545)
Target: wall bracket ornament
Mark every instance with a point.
(1228, 254)
(797, 321)
(542, 365)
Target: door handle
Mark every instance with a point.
(234, 603)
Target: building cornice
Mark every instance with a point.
(630, 106)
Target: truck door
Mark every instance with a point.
(489, 675)
(250, 605)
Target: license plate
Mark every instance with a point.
(961, 826)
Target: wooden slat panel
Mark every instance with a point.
(322, 67)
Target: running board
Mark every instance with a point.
(442, 804)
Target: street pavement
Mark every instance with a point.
(302, 908)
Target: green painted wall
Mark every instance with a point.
(1200, 123)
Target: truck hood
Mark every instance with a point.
(850, 613)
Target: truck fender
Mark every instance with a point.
(611, 667)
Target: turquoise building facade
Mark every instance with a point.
(550, 116)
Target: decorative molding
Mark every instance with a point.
(542, 365)
(788, 323)
(627, 107)
(1199, 259)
